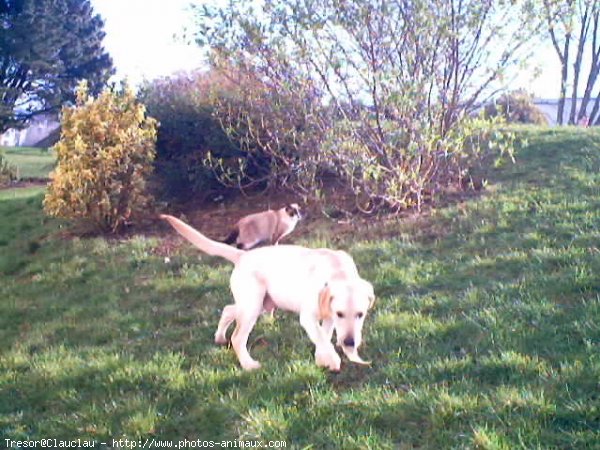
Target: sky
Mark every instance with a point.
(145, 40)
(145, 37)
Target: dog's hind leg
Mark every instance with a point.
(239, 340)
(249, 295)
(227, 318)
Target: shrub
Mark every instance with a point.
(379, 93)
(389, 160)
(8, 172)
(278, 132)
(415, 168)
(188, 131)
(516, 107)
(104, 155)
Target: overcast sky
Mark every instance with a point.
(144, 37)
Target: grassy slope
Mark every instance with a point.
(486, 332)
(31, 162)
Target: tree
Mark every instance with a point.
(574, 25)
(382, 90)
(104, 156)
(46, 48)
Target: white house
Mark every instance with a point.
(38, 128)
(549, 107)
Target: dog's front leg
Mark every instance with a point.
(325, 354)
(327, 326)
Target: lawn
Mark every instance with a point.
(31, 163)
(485, 333)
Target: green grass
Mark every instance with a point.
(485, 334)
(31, 162)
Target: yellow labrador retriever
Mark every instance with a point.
(322, 286)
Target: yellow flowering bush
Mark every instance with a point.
(104, 156)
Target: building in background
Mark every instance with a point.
(38, 130)
(549, 107)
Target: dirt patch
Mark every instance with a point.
(336, 226)
(24, 183)
(215, 219)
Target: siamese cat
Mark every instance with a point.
(267, 227)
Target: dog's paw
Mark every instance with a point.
(336, 364)
(221, 339)
(328, 358)
(250, 364)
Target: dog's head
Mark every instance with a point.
(346, 303)
(293, 210)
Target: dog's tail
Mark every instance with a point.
(232, 237)
(205, 244)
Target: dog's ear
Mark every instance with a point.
(325, 298)
(371, 300)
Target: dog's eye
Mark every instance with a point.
(360, 315)
(340, 314)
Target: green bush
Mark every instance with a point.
(188, 131)
(516, 107)
(390, 161)
(278, 131)
(8, 172)
(104, 156)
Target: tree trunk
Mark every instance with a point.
(563, 54)
(595, 111)
(563, 80)
(594, 71)
(577, 64)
